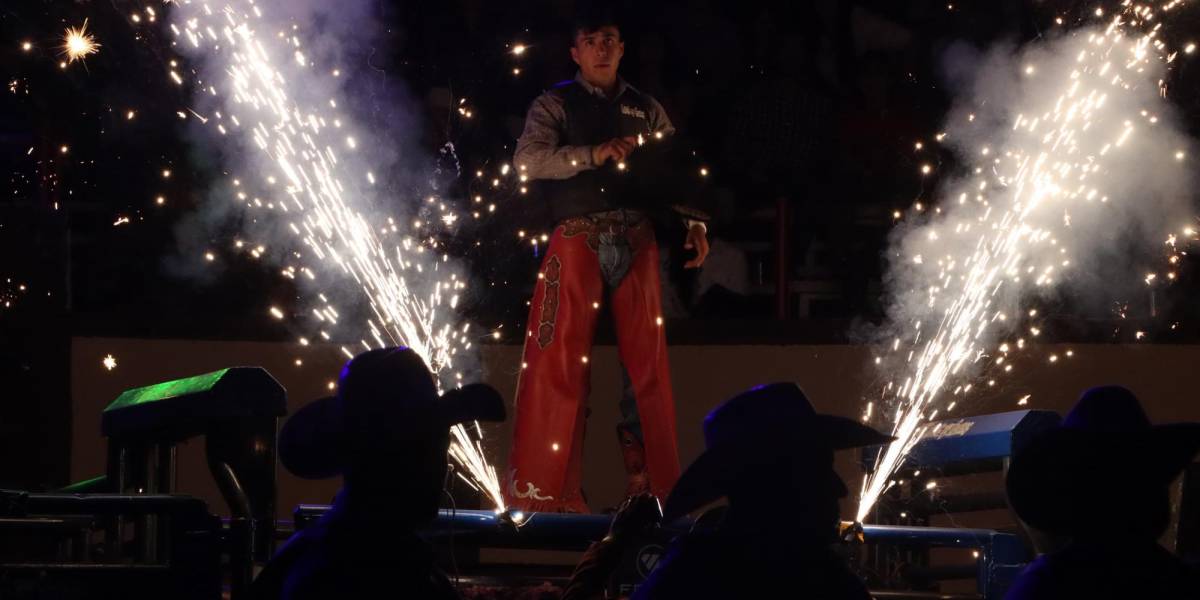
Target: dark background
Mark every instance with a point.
(814, 106)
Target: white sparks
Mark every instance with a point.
(78, 43)
(407, 293)
(1009, 222)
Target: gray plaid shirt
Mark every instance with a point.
(539, 154)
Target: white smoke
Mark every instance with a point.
(1071, 172)
(1140, 187)
(326, 179)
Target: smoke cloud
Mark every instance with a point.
(1069, 171)
(326, 179)
(1081, 174)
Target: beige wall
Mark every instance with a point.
(835, 377)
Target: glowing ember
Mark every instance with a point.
(109, 362)
(78, 43)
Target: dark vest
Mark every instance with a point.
(592, 120)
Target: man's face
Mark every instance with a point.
(404, 479)
(598, 53)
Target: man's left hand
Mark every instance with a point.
(697, 238)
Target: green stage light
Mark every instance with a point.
(167, 389)
(184, 407)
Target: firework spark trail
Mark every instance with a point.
(1069, 160)
(299, 141)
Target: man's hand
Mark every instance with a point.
(615, 149)
(697, 238)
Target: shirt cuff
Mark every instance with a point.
(583, 156)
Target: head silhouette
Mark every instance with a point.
(387, 432)
(804, 476)
(398, 447)
(766, 444)
(1104, 473)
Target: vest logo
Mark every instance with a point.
(633, 111)
(648, 557)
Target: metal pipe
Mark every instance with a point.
(957, 503)
(165, 483)
(940, 572)
(781, 257)
(241, 529)
(147, 535)
(111, 504)
(516, 529)
(910, 595)
(943, 537)
(231, 489)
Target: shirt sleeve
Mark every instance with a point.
(539, 154)
(659, 121)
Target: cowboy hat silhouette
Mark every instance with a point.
(767, 420)
(386, 399)
(1104, 454)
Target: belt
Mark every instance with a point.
(630, 225)
(616, 222)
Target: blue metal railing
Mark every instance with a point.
(1001, 555)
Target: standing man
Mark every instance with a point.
(577, 139)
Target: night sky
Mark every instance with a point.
(819, 103)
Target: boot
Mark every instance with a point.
(634, 455)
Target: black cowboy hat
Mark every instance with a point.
(763, 420)
(1105, 441)
(385, 397)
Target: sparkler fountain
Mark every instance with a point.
(1071, 145)
(266, 101)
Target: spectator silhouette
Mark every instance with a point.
(771, 455)
(1102, 478)
(637, 516)
(387, 433)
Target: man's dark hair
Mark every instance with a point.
(590, 18)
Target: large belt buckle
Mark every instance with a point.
(608, 224)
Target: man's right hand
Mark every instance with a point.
(615, 149)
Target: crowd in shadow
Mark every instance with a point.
(767, 450)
